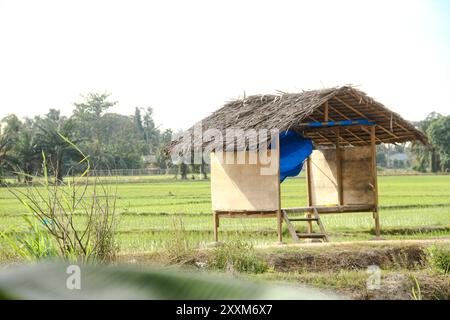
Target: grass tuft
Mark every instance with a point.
(237, 256)
(439, 259)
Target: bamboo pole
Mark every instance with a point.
(345, 117)
(310, 201)
(347, 130)
(279, 216)
(216, 226)
(366, 117)
(322, 136)
(376, 215)
(339, 168)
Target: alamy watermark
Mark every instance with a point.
(374, 279)
(231, 146)
(73, 281)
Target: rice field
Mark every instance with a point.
(154, 210)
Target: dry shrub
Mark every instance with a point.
(179, 250)
(56, 206)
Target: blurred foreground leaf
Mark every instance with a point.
(49, 281)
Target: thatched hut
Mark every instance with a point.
(344, 126)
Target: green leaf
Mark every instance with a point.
(48, 281)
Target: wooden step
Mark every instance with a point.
(311, 235)
(321, 227)
(303, 219)
(310, 217)
(290, 227)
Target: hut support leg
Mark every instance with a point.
(279, 214)
(376, 215)
(279, 229)
(309, 226)
(216, 227)
(340, 189)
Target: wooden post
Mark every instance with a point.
(216, 226)
(375, 180)
(279, 215)
(310, 202)
(325, 106)
(339, 167)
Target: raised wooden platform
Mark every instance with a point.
(246, 214)
(312, 213)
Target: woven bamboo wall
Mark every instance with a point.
(356, 176)
(242, 187)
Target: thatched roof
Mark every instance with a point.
(290, 111)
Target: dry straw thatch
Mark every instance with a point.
(287, 111)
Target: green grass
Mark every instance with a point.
(413, 207)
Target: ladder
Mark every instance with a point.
(309, 235)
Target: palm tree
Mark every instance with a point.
(4, 144)
(24, 156)
(51, 130)
(19, 148)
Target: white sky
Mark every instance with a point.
(186, 58)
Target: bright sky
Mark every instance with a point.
(186, 58)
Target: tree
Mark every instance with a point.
(3, 155)
(162, 158)
(25, 155)
(111, 141)
(427, 157)
(382, 151)
(203, 171)
(22, 155)
(94, 105)
(439, 134)
(8, 136)
(11, 126)
(123, 147)
(89, 126)
(151, 132)
(182, 170)
(19, 147)
(138, 123)
(52, 132)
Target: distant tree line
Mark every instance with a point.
(434, 157)
(114, 141)
(111, 140)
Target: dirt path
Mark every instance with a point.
(424, 242)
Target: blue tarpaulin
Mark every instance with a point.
(340, 123)
(294, 150)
